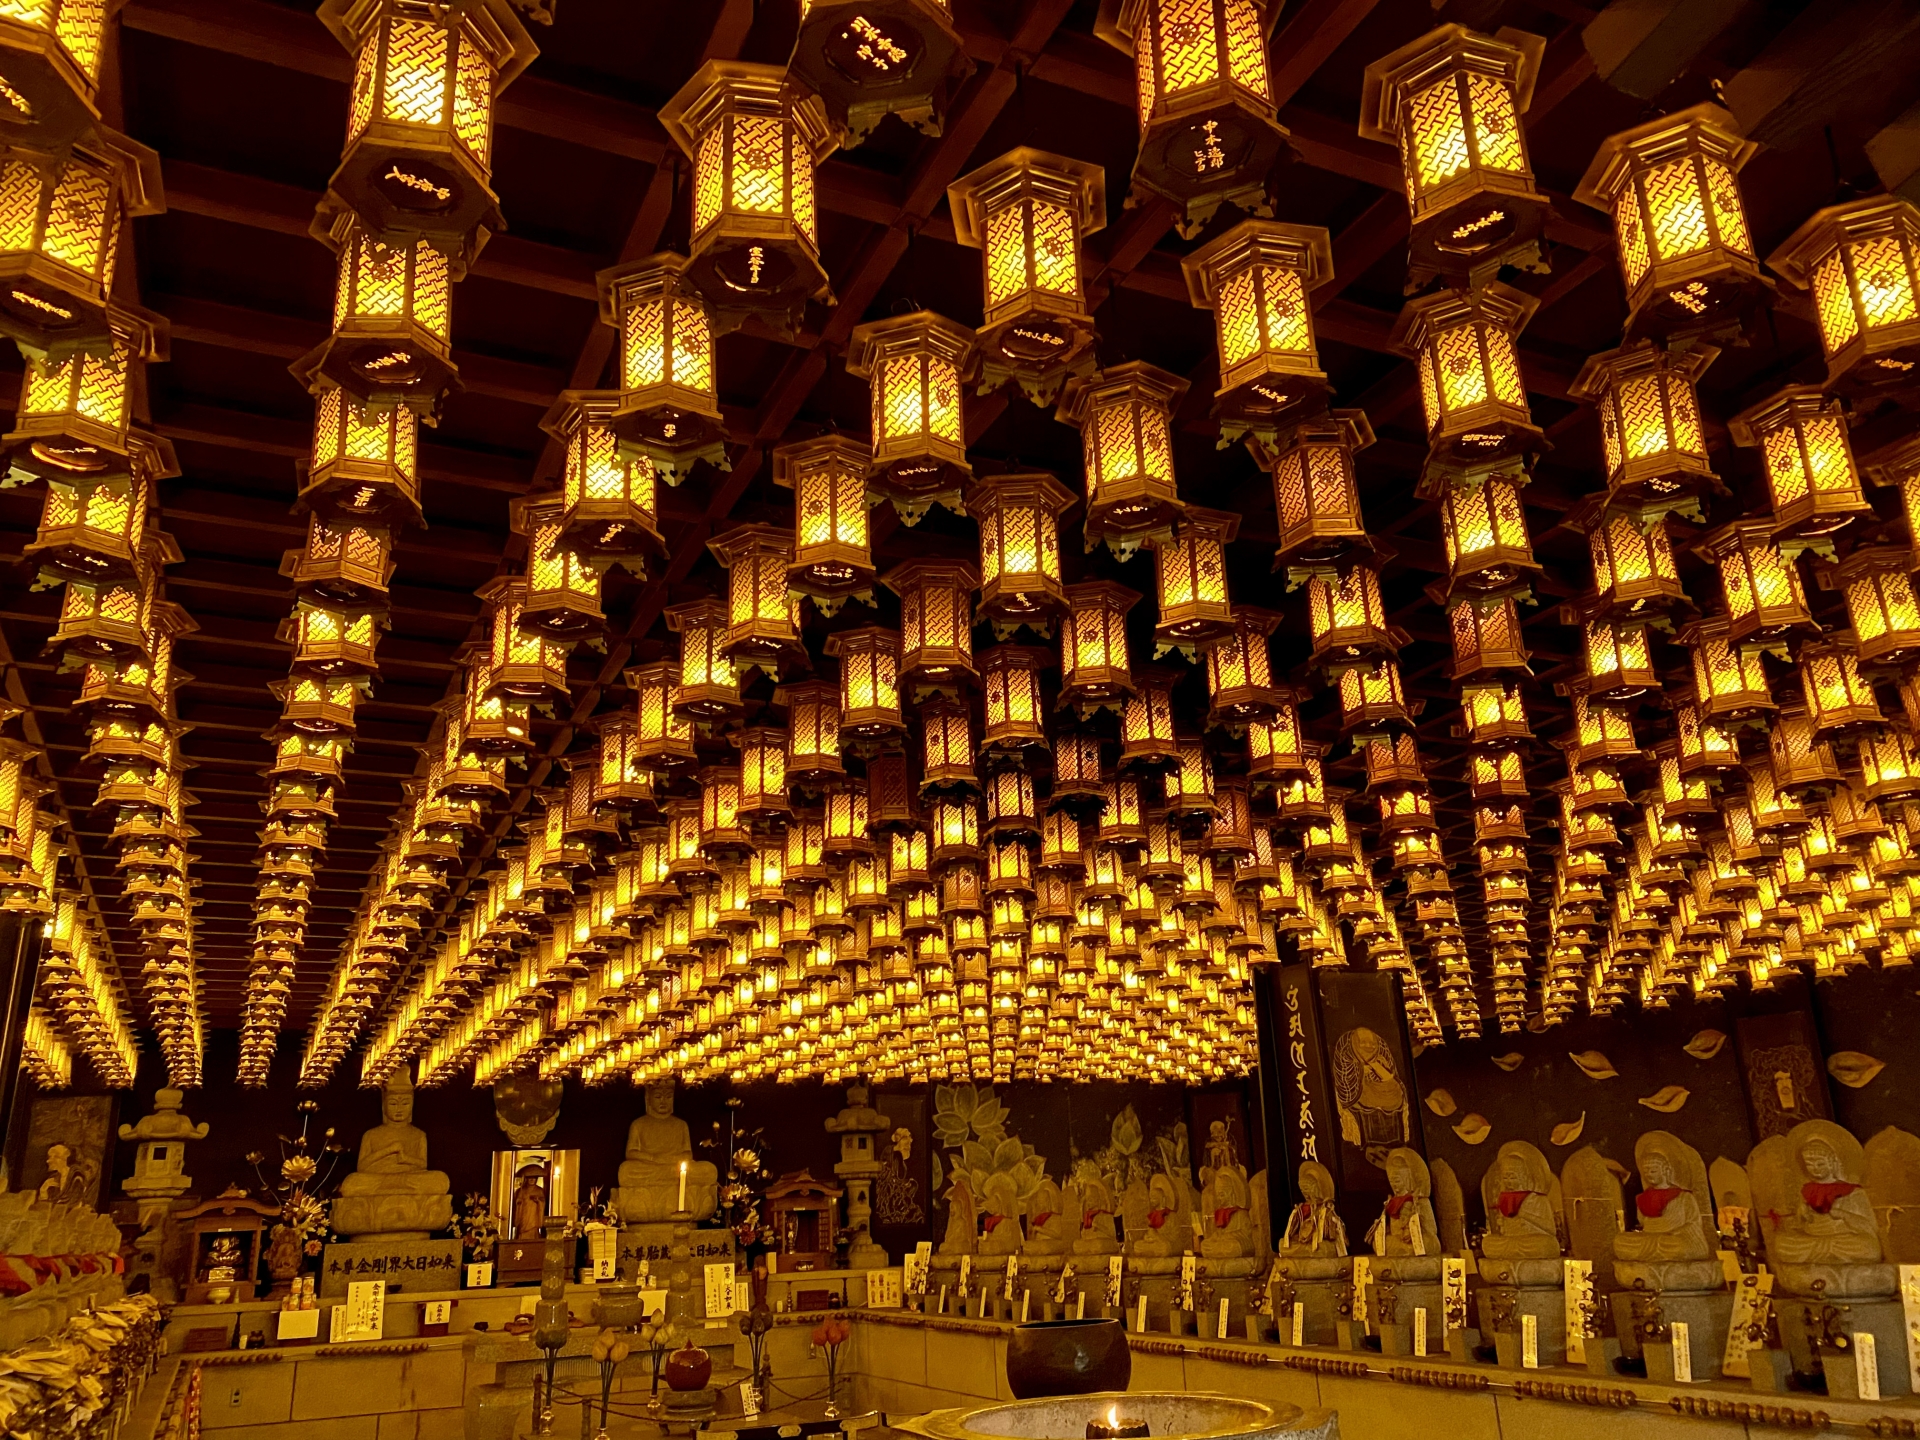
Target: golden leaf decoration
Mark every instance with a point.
(1509, 1062)
(1705, 1045)
(1568, 1133)
(1441, 1103)
(1593, 1064)
(1473, 1129)
(1852, 1068)
(1667, 1099)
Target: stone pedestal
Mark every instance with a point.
(1881, 1318)
(1547, 1304)
(1318, 1284)
(652, 1246)
(403, 1264)
(1416, 1285)
(379, 1216)
(1707, 1314)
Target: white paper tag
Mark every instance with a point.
(1419, 1329)
(436, 1312)
(606, 1267)
(1140, 1317)
(941, 1307)
(1453, 1294)
(1116, 1277)
(918, 1267)
(1026, 1303)
(749, 1400)
(1530, 1342)
(1682, 1339)
(1578, 1285)
(1748, 1294)
(298, 1325)
(1220, 1329)
(966, 1273)
(883, 1290)
(366, 1309)
(1080, 1305)
(1910, 1313)
(1866, 1365)
(1013, 1278)
(1189, 1272)
(1299, 1322)
(479, 1275)
(719, 1287)
(1362, 1278)
(336, 1324)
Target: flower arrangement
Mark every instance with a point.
(476, 1226)
(305, 1174)
(744, 1173)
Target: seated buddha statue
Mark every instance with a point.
(391, 1194)
(658, 1145)
(1833, 1222)
(1227, 1221)
(1314, 1227)
(1816, 1215)
(1670, 1214)
(1520, 1220)
(1406, 1225)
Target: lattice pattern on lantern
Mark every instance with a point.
(916, 367)
(1729, 681)
(1493, 714)
(91, 528)
(936, 623)
(365, 460)
(1489, 552)
(73, 414)
(1486, 637)
(1018, 515)
(1315, 496)
(524, 663)
(1703, 745)
(1348, 621)
(831, 559)
(669, 408)
(1811, 478)
(561, 596)
(1208, 131)
(947, 750)
(1093, 645)
(1240, 670)
(754, 137)
(612, 512)
(868, 59)
(418, 155)
(1861, 261)
(1761, 585)
(1634, 573)
(1191, 570)
(1685, 251)
(392, 313)
(1124, 415)
(1495, 773)
(1011, 694)
(1803, 762)
(707, 685)
(1147, 740)
(1878, 587)
(1027, 213)
(869, 682)
(1372, 697)
(346, 564)
(1837, 699)
(1256, 279)
(1451, 103)
(763, 626)
(1471, 388)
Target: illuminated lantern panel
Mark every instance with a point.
(1147, 741)
(1494, 714)
(1861, 260)
(869, 681)
(1240, 670)
(346, 564)
(936, 622)
(1471, 388)
(669, 408)
(1451, 103)
(868, 59)
(1011, 694)
(562, 597)
(1093, 644)
(916, 367)
(1486, 638)
(1488, 549)
(1372, 697)
(74, 413)
(1685, 252)
(1837, 698)
(1704, 746)
(1027, 213)
(1656, 453)
(1760, 585)
(365, 459)
(762, 616)
(524, 663)
(1208, 134)
(611, 514)
(1125, 419)
(831, 559)
(1019, 520)
(1898, 464)
(1315, 495)
(1878, 585)
(419, 151)
(1348, 620)
(813, 732)
(1729, 680)
(1618, 659)
(392, 313)
(707, 686)
(1256, 279)
(90, 528)
(754, 137)
(1634, 572)
(329, 643)
(1811, 478)
(1192, 572)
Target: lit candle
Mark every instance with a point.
(683, 1187)
(1114, 1428)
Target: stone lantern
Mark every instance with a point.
(859, 1127)
(159, 1166)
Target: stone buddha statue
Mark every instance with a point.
(391, 1194)
(1815, 1214)
(1314, 1228)
(1406, 1225)
(1226, 1229)
(1053, 1219)
(1672, 1249)
(658, 1145)
(1522, 1243)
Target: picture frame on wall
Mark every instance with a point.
(68, 1156)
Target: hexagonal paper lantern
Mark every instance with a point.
(831, 559)
(936, 622)
(1861, 260)
(813, 733)
(867, 59)
(1489, 552)
(1191, 570)
(366, 459)
(708, 684)
(1208, 132)
(1015, 711)
(1486, 638)
(1451, 103)
(523, 662)
(1348, 621)
(1147, 739)
(50, 53)
(74, 414)
(1240, 670)
(1125, 418)
(91, 527)
(1256, 279)
(869, 681)
(1315, 495)
(562, 597)
(345, 563)
(1471, 388)
(1027, 213)
(916, 367)
(392, 313)
(612, 512)
(1372, 696)
(1729, 680)
(1094, 667)
(1019, 515)
(330, 643)
(1494, 714)
(1878, 586)
(419, 151)
(1656, 454)
(754, 137)
(1838, 699)
(669, 406)
(1811, 479)
(762, 616)
(1760, 584)
(1634, 572)
(1685, 252)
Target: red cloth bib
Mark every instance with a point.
(1653, 1203)
(1224, 1214)
(1395, 1204)
(1820, 1194)
(1510, 1201)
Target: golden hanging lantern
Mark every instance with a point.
(1656, 453)
(867, 59)
(91, 527)
(947, 749)
(365, 460)
(1147, 739)
(1093, 644)
(1685, 252)
(869, 681)
(916, 367)
(669, 406)
(1027, 213)
(1451, 103)
(1600, 731)
(622, 770)
(754, 137)
(612, 511)
(561, 600)
(1316, 497)
(1837, 698)
(1240, 670)
(50, 53)
(813, 732)
(1811, 478)
(1861, 261)
(1634, 572)
(1489, 552)
(65, 207)
(1125, 417)
(831, 559)
(762, 804)
(1619, 658)
(1878, 586)
(1019, 517)
(1729, 680)
(1761, 585)
(708, 685)
(523, 663)
(392, 317)
(1802, 760)
(1256, 279)
(1704, 745)
(1372, 697)
(1014, 707)
(936, 622)
(1191, 569)
(762, 615)
(1471, 388)
(1208, 131)
(1486, 638)
(315, 705)
(74, 413)
(1495, 714)
(662, 737)
(345, 563)
(419, 151)
(330, 643)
